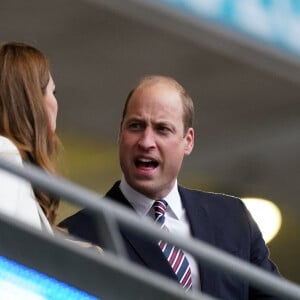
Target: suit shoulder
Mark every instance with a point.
(82, 225)
(211, 199)
(81, 217)
(207, 195)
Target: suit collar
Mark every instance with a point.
(142, 204)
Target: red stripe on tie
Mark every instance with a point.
(186, 277)
(172, 255)
(178, 262)
(188, 284)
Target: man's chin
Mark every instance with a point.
(144, 186)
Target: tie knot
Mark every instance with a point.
(160, 207)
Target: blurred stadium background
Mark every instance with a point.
(239, 60)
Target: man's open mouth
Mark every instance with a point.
(146, 163)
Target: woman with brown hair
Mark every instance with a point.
(28, 110)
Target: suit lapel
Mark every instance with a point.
(197, 216)
(141, 250)
(201, 228)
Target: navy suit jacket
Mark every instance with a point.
(220, 220)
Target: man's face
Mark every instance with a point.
(152, 141)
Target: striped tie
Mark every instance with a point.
(174, 255)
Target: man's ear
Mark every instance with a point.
(189, 141)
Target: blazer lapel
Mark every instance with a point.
(140, 249)
(198, 216)
(147, 253)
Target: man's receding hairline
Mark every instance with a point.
(153, 80)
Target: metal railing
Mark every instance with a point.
(114, 215)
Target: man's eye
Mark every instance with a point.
(164, 129)
(134, 126)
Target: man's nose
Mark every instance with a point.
(147, 138)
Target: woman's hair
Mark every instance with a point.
(24, 75)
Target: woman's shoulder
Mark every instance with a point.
(9, 150)
(6, 145)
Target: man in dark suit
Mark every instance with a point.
(155, 135)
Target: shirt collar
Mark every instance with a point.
(143, 204)
(140, 203)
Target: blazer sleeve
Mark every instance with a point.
(260, 256)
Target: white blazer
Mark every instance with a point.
(17, 199)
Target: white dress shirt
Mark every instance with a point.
(175, 217)
(17, 199)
